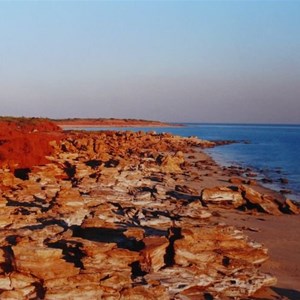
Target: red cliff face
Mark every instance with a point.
(25, 142)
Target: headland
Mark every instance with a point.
(134, 215)
(112, 122)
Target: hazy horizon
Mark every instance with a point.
(181, 61)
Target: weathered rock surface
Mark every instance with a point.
(291, 207)
(222, 196)
(172, 164)
(264, 202)
(246, 198)
(112, 216)
(28, 259)
(153, 255)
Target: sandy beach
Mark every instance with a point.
(124, 215)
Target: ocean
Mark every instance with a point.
(271, 151)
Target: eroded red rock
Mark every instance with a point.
(265, 202)
(291, 207)
(112, 216)
(222, 196)
(153, 255)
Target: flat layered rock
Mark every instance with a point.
(223, 197)
(205, 245)
(28, 259)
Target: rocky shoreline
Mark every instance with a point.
(124, 215)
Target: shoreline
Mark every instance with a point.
(149, 199)
(107, 123)
(259, 176)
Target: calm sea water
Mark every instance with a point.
(272, 151)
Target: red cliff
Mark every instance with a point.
(25, 142)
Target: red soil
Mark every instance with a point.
(25, 142)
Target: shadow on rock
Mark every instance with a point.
(290, 294)
(108, 235)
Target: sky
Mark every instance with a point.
(175, 61)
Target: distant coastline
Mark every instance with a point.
(101, 122)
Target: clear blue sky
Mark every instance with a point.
(200, 61)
